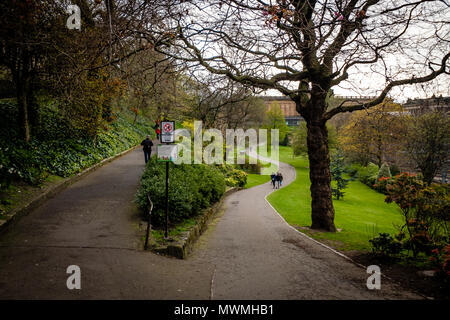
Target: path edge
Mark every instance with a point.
(17, 213)
(182, 248)
(331, 249)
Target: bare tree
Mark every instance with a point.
(222, 103)
(304, 48)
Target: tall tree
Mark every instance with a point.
(369, 136)
(304, 48)
(428, 143)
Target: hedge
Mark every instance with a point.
(191, 189)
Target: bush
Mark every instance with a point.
(441, 260)
(425, 209)
(384, 171)
(191, 189)
(368, 175)
(395, 170)
(384, 244)
(237, 178)
(381, 184)
(337, 172)
(233, 177)
(353, 169)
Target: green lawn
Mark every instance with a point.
(361, 215)
(254, 179)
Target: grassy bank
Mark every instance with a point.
(254, 180)
(57, 150)
(360, 216)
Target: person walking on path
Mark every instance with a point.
(280, 178)
(273, 178)
(277, 179)
(148, 144)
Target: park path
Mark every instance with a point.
(248, 252)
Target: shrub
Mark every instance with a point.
(381, 184)
(237, 178)
(384, 171)
(191, 189)
(440, 257)
(353, 169)
(337, 172)
(233, 177)
(395, 170)
(384, 244)
(368, 175)
(425, 209)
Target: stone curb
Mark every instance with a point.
(182, 248)
(14, 215)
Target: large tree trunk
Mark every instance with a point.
(22, 101)
(322, 210)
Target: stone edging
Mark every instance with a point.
(23, 210)
(183, 247)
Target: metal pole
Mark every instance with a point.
(167, 200)
(149, 222)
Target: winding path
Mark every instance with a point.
(248, 252)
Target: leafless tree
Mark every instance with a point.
(304, 48)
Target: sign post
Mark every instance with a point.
(167, 152)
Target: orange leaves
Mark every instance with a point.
(275, 13)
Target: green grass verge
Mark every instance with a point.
(254, 179)
(360, 216)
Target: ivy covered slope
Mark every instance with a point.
(59, 149)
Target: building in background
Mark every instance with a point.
(419, 106)
(293, 118)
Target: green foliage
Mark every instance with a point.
(384, 171)
(381, 184)
(191, 189)
(237, 178)
(58, 148)
(299, 136)
(233, 177)
(337, 174)
(426, 211)
(385, 244)
(428, 142)
(441, 260)
(275, 120)
(368, 175)
(353, 169)
(395, 170)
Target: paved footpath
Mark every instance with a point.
(248, 252)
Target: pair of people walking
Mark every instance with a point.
(277, 180)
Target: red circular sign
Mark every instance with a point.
(167, 127)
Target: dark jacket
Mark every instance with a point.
(147, 143)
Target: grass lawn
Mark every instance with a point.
(254, 179)
(361, 215)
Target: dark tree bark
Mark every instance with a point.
(322, 210)
(322, 213)
(22, 102)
